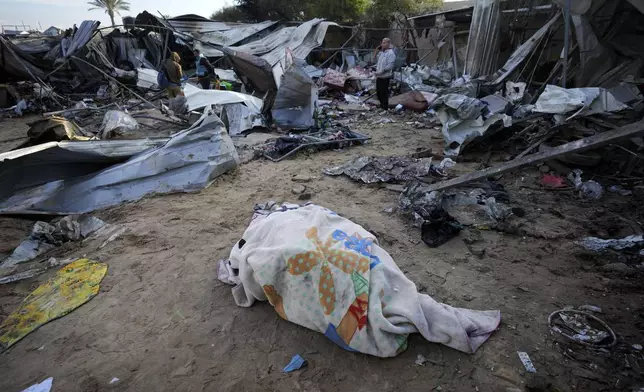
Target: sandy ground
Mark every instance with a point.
(163, 322)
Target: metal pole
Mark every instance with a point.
(566, 43)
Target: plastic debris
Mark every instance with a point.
(597, 244)
(591, 308)
(383, 169)
(514, 92)
(527, 362)
(384, 120)
(619, 190)
(45, 236)
(420, 360)
(20, 107)
(352, 99)
(297, 362)
(637, 347)
(117, 122)
(114, 380)
(44, 386)
(551, 181)
(446, 163)
(588, 189)
(439, 229)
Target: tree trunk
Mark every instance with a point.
(111, 14)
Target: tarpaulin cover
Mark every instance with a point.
(328, 274)
(198, 98)
(267, 44)
(587, 101)
(71, 287)
(252, 70)
(188, 162)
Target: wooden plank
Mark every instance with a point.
(576, 146)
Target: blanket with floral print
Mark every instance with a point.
(326, 273)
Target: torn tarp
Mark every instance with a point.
(296, 100)
(383, 169)
(199, 99)
(188, 162)
(523, 51)
(465, 119)
(255, 72)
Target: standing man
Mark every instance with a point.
(174, 74)
(205, 71)
(384, 67)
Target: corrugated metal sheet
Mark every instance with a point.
(300, 45)
(296, 39)
(55, 161)
(268, 43)
(188, 162)
(229, 37)
(197, 26)
(84, 33)
(483, 43)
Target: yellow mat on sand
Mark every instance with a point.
(72, 286)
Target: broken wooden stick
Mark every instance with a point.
(576, 146)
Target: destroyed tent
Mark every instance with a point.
(187, 162)
(16, 64)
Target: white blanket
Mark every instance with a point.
(328, 274)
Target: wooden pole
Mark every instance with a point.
(556, 152)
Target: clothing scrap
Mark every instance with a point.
(326, 273)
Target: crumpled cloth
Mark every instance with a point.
(326, 273)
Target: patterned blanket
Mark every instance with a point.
(328, 274)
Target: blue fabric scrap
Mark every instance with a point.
(296, 363)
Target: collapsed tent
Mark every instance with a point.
(15, 63)
(328, 274)
(187, 162)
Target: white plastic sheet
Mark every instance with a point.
(587, 101)
(199, 99)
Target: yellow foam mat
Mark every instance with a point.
(72, 286)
